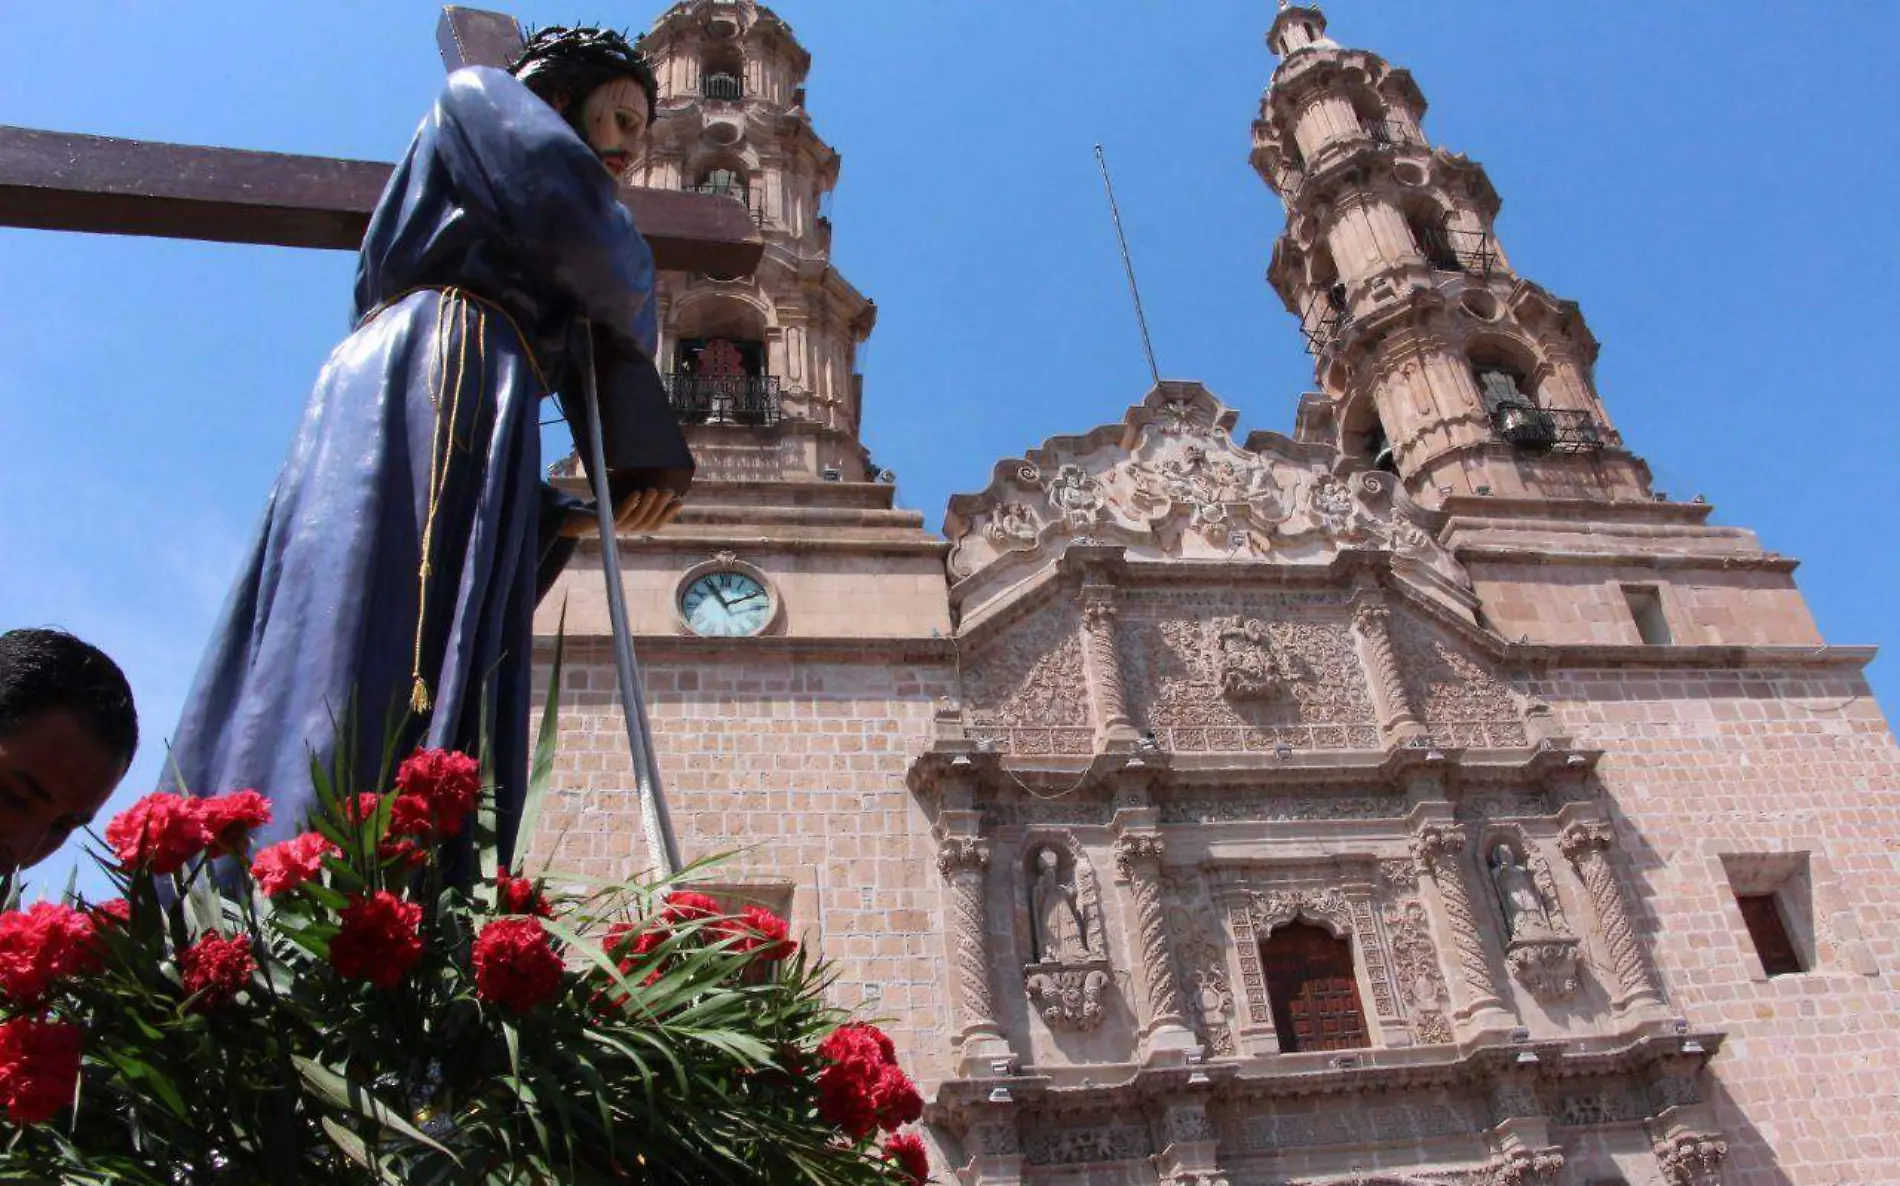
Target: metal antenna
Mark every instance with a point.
(1128, 265)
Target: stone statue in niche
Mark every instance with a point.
(1060, 930)
(1248, 665)
(1540, 952)
(1069, 976)
(1525, 913)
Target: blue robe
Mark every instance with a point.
(498, 233)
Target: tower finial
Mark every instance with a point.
(1296, 26)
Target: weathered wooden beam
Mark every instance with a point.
(62, 181)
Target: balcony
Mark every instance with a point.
(1547, 430)
(722, 88)
(753, 199)
(1324, 319)
(1386, 133)
(1453, 249)
(750, 401)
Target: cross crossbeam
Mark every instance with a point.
(67, 182)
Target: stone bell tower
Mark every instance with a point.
(1436, 360)
(762, 368)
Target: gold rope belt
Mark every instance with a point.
(457, 305)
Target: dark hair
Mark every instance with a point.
(43, 670)
(564, 65)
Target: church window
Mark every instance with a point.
(1646, 609)
(1312, 989)
(722, 77)
(1762, 915)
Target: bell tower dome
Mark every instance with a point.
(1436, 361)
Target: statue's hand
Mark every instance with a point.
(641, 511)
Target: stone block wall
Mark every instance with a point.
(796, 763)
(1750, 781)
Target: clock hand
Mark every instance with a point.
(723, 603)
(746, 598)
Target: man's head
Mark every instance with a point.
(598, 82)
(68, 731)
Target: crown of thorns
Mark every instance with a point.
(557, 45)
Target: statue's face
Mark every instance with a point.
(1046, 861)
(1502, 855)
(613, 118)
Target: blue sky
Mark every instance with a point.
(1714, 183)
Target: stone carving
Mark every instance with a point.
(1524, 1167)
(1547, 966)
(1456, 697)
(1189, 1124)
(1329, 1126)
(963, 860)
(1526, 914)
(1603, 1105)
(1028, 688)
(1201, 965)
(1276, 908)
(1104, 662)
(1170, 480)
(1258, 806)
(1692, 1159)
(1138, 858)
(1059, 931)
(1415, 964)
(1249, 668)
(1370, 620)
(1069, 1146)
(1587, 846)
(1439, 851)
(1069, 997)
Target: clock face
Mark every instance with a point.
(726, 605)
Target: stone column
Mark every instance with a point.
(1373, 638)
(1138, 858)
(1438, 850)
(1587, 846)
(964, 861)
(1101, 659)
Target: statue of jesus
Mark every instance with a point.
(410, 532)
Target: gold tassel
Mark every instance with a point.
(419, 696)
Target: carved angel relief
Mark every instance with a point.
(1250, 668)
(1069, 973)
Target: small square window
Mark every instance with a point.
(1645, 602)
(1762, 913)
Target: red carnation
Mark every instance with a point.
(411, 815)
(362, 808)
(160, 832)
(515, 966)
(230, 818)
(689, 906)
(39, 1068)
(43, 945)
(907, 1150)
(449, 782)
(763, 934)
(404, 854)
(288, 865)
(862, 1088)
(214, 969)
(519, 895)
(113, 912)
(377, 940)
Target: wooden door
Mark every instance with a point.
(1311, 986)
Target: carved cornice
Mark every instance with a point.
(962, 854)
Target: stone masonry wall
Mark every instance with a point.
(801, 762)
(1720, 779)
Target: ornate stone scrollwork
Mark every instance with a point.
(1525, 1167)
(1547, 966)
(1692, 1159)
(1587, 846)
(1439, 851)
(1068, 996)
(1138, 858)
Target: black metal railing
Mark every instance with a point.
(725, 88)
(750, 400)
(1386, 133)
(1454, 249)
(1325, 318)
(1547, 430)
(754, 199)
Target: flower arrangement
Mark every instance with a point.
(338, 1008)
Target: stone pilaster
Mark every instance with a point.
(1372, 636)
(1101, 660)
(1587, 846)
(1188, 1146)
(1138, 858)
(994, 1146)
(1439, 850)
(964, 862)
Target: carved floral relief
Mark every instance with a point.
(1027, 690)
(1460, 700)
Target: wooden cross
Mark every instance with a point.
(63, 182)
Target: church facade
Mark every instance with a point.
(1421, 798)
